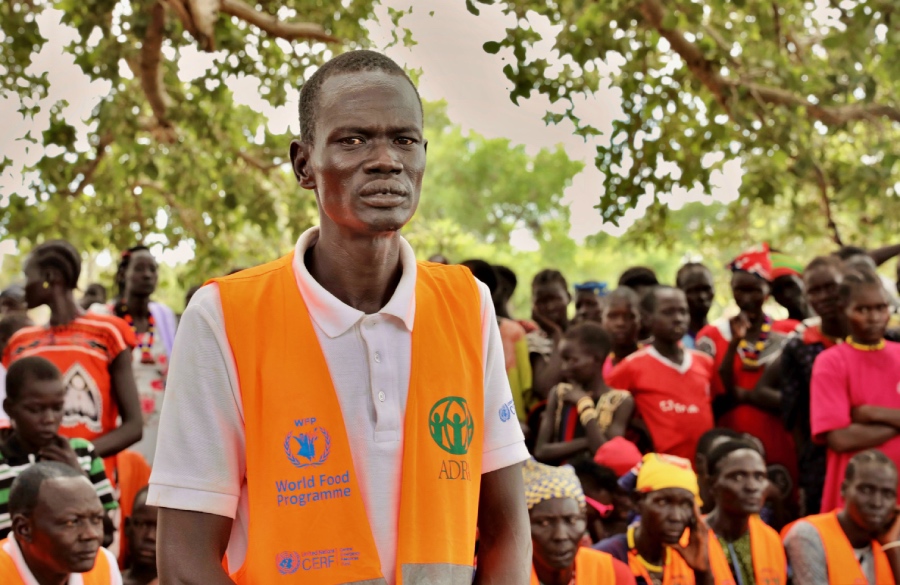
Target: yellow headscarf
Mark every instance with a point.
(660, 471)
(544, 482)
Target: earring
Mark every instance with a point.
(46, 284)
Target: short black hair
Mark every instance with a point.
(22, 370)
(139, 496)
(23, 495)
(724, 450)
(855, 278)
(687, 268)
(870, 456)
(96, 285)
(483, 272)
(124, 260)
(650, 298)
(506, 274)
(592, 336)
(824, 262)
(12, 323)
(549, 276)
(62, 256)
(846, 252)
(350, 62)
(595, 475)
(638, 276)
(707, 439)
(624, 293)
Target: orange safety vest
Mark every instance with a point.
(591, 567)
(101, 574)
(766, 549)
(676, 571)
(843, 567)
(308, 521)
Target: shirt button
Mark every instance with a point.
(381, 396)
(377, 358)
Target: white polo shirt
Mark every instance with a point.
(200, 455)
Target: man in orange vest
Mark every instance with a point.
(556, 506)
(858, 545)
(57, 529)
(742, 549)
(342, 415)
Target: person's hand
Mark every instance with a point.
(892, 534)
(739, 326)
(865, 414)
(574, 394)
(551, 328)
(696, 553)
(60, 450)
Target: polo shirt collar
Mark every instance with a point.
(11, 547)
(334, 317)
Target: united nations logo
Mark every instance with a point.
(287, 562)
(307, 448)
(451, 426)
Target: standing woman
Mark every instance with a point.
(153, 326)
(92, 351)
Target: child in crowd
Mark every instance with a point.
(583, 412)
(141, 530)
(35, 396)
(550, 301)
(855, 403)
(621, 320)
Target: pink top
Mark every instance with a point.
(843, 378)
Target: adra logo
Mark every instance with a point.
(451, 426)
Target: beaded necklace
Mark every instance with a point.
(865, 346)
(750, 354)
(145, 342)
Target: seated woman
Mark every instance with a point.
(583, 412)
(556, 508)
(742, 548)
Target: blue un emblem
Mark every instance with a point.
(288, 562)
(307, 448)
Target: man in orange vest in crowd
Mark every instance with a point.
(557, 507)
(57, 529)
(742, 548)
(669, 543)
(342, 414)
(859, 544)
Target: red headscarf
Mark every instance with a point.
(757, 261)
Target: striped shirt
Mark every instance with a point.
(11, 465)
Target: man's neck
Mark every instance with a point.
(651, 550)
(858, 537)
(63, 309)
(139, 575)
(138, 305)
(697, 323)
(42, 575)
(596, 387)
(361, 272)
(672, 351)
(549, 576)
(835, 327)
(727, 526)
(624, 350)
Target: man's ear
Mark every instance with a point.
(300, 164)
(22, 528)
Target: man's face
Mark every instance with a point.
(557, 526)
(666, 513)
(822, 285)
(579, 365)
(739, 483)
(588, 307)
(551, 300)
(670, 319)
(871, 496)
(788, 292)
(141, 275)
(367, 159)
(750, 293)
(698, 287)
(93, 294)
(38, 412)
(64, 532)
(621, 320)
(35, 293)
(868, 313)
(141, 527)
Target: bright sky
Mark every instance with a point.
(454, 68)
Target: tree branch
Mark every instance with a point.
(822, 182)
(151, 73)
(187, 216)
(285, 30)
(725, 90)
(87, 174)
(257, 163)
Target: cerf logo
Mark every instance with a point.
(451, 426)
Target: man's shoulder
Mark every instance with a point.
(616, 546)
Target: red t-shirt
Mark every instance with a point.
(83, 351)
(842, 378)
(674, 401)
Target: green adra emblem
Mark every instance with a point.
(451, 426)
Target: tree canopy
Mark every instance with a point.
(804, 95)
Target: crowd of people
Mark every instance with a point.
(653, 446)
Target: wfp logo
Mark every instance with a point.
(287, 562)
(450, 424)
(307, 448)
